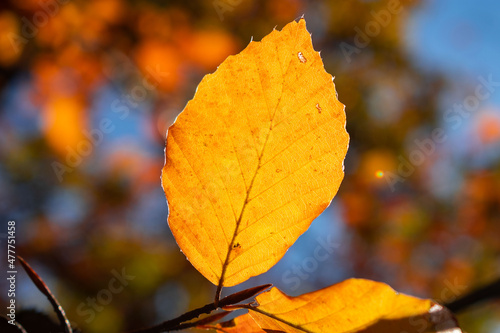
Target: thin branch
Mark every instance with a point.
(37, 280)
(181, 321)
(491, 290)
(171, 325)
(20, 327)
(202, 322)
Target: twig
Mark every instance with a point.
(217, 293)
(37, 280)
(491, 290)
(203, 322)
(174, 324)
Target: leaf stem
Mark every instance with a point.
(217, 293)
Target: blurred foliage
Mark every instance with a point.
(89, 88)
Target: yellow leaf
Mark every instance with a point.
(254, 157)
(355, 305)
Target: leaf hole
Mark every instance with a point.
(301, 57)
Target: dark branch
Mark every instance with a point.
(37, 280)
(490, 291)
(181, 321)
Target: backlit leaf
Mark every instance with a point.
(355, 305)
(254, 157)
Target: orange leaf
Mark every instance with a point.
(355, 305)
(254, 157)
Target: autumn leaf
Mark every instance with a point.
(355, 305)
(254, 157)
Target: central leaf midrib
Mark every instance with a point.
(240, 217)
(259, 165)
